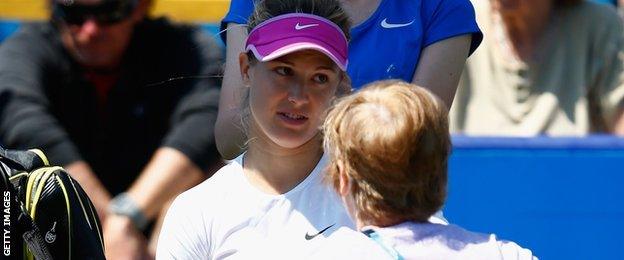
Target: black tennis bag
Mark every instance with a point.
(49, 215)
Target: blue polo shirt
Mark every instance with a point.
(388, 44)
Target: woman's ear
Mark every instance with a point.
(344, 186)
(243, 62)
(344, 87)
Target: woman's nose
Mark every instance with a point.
(297, 94)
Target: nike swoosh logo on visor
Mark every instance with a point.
(309, 237)
(387, 25)
(301, 27)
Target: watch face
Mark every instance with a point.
(123, 205)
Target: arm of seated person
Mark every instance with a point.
(168, 174)
(28, 119)
(618, 128)
(84, 175)
(440, 66)
(229, 135)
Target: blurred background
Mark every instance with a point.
(558, 196)
(207, 13)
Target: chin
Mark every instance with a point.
(94, 58)
(290, 141)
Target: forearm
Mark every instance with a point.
(89, 182)
(229, 134)
(168, 173)
(231, 137)
(440, 67)
(618, 127)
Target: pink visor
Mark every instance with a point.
(288, 33)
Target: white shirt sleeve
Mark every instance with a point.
(182, 236)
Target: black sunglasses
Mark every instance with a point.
(106, 13)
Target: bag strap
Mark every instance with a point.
(31, 234)
(23, 160)
(33, 238)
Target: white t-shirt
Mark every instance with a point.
(414, 240)
(225, 217)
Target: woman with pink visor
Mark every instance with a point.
(425, 42)
(270, 202)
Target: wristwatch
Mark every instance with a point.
(123, 205)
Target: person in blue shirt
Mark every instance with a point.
(424, 42)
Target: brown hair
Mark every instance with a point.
(392, 140)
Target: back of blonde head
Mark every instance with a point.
(392, 140)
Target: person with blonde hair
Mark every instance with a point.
(388, 147)
(425, 42)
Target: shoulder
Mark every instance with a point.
(169, 50)
(214, 188)
(346, 243)
(427, 240)
(447, 234)
(593, 9)
(239, 11)
(511, 250)
(212, 192)
(30, 54)
(36, 30)
(486, 245)
(163, 27)
(432, 7)
(188, 229)
(34, 38)
(348, 237)
(597, 26)
(592, 15)
(163, 35)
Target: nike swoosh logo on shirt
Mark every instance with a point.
(301, 27)
(309, 237)
(387, 25)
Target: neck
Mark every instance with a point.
(360, 10)
(275, 169)
(525, 28)
(385, 222)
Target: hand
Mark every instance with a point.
(122, 240)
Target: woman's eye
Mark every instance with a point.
(321, 78)
(284, 71)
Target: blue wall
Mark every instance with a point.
(559, 197)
